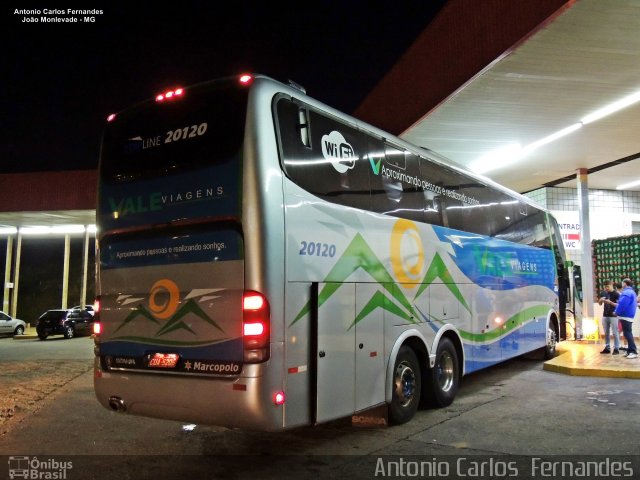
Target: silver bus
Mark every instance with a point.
(266, 262)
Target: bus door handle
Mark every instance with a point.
(321, 354)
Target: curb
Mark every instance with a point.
(25, 337)
(562, 363)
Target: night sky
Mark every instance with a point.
(61, 80)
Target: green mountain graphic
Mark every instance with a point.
(436, 270)
(359, 255)
(140, 311)
(379, 300)
(175, 322)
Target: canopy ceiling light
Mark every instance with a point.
(512, 152)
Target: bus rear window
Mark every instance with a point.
(204, 127)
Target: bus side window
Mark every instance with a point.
(396, 188)
(433, 191)
(323, 155)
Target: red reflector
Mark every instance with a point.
(253, 329)
(279, 398)
(97, 328)
(177, 92)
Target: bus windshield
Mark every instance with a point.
(175, 159)
(203, 126)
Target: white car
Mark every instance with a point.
(11, 326)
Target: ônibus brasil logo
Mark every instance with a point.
(32, 467)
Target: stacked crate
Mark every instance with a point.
(616, 258)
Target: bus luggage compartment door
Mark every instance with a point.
(350, 356)
(335, 355)
(369, 346)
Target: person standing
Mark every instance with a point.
(626, 310)
(609, 297)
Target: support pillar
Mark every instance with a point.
(85, 267)
(65, 271)
(16, 277)
(585, 237)
(7, 274)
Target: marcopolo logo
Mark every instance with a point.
(338, 152)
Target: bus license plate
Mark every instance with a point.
(164, 360)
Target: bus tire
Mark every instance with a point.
(551, 342)
(444, 377)
(406, 386)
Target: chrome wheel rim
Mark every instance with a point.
(445, 373)
(551, 339)
(405, 382)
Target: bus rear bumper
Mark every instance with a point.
(238, 402)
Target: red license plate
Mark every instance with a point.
(164, 360)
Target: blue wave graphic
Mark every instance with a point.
(497, 264)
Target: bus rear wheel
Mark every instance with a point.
(444, 377)
(406, 387)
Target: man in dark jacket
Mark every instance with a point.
(609, 297)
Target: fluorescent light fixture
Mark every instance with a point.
(612, 108)
(8, 230)
(498, 158)
(68, 229)
(39, 230)
(626, 186)
(55, 230)
(513, 152)
(92, 229)
(554, 136)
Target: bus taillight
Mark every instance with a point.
(97, 325)
(255, 327)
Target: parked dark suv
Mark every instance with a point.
(65, 322)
